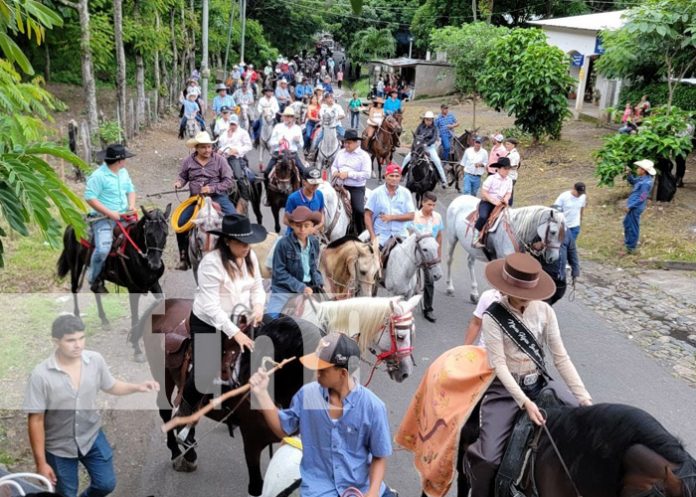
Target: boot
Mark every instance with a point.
(183, 264)
(183, 410)
(98, 286)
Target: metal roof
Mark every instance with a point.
(406, 62)
(589, 22)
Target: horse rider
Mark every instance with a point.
(426, 132)
(267, 104)
(353, 167)
(334, 114)
(343, 425)
(392, 105)
(514, 331)
(282, 94)
(496, 190)
(303, 89)
(375, 118)
(429, 222)
(474, 161)
(295, 269)
(445, 123)
(268, 69)
(222, 99)
(230, 288)
(234, 144)
(389, 210)
(311, 120)
(192, 110)
(286, 135)
(308, 196)
(326, 83)
(110, 194)
(244, 95)
(223, 121)
(206, 173)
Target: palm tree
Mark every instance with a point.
(372, 43)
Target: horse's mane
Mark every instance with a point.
(361, 315)
(342, 240)
(526, 220)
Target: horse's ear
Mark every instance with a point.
(145, 212)
(167, 211)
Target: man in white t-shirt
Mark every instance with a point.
(473, 331)
(572, 204)
(514, 156)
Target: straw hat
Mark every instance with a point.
(521, 276)
(201, 138)
(647, 165)
(289, 112)
(429, 115)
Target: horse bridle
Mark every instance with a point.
(395, 354)
(148, 248)
(419, 250)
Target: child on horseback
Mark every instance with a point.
(496, 190)
(191, 111)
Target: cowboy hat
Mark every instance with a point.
(302, 214)
(520, 276)
(319, 88)
(115, 152)
(201, 138)
(289, 112)
(646, 165)
(283, 80)
(220, 86)
(238, 227)
(428, 115)
(503, 162)
(351, 135)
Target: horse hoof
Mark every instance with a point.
(474, 298)
(450, 292)
(106, 326)
(139, 357)
(181, 465)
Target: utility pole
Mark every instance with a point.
(242, 11)
(229, 36)
(205, 70)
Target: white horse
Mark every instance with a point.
(336, 219)
(267, 122)
(515, 231)
(200, 240)
(193, 127)
(245, 116)
(416, 252)
(329, 145)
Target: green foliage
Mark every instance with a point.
(288, 25)
(109, 132)
(662, 135)
(528, 78)
(684, 95)
(372, 43)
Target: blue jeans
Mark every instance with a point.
(632, 227)
(309, 129)
(446, 142)
(354, 120)
(103, 237)
(432, 152)
(99, 464)
(575, 231)
(472, 183)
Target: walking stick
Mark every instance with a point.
(216, 402)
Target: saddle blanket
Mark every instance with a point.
(450, 390)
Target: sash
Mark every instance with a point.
(520, 335)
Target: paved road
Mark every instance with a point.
(614, 370)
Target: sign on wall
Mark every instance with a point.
(598, 47)
(577, 59)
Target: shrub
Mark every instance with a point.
(684, 95)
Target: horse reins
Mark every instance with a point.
(558, 454)
(394, 349)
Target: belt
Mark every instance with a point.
(527, 379)
(472, 174)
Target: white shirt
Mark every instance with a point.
(218, 295)
(485, 301)
(472, 157)
(221, 125)
(240, 140)
(514, 157)
(333, 112)
(266, 104)
(293, 134)
(357, 164)
(570, 206)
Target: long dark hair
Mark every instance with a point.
(228, 261)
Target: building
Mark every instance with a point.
(578, 36)
(427, 78)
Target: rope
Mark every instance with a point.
(558, 453)
(198, 200)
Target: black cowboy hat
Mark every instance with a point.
(351, 135)
(503, 162)
(239, 228)
(115, 151)
(267, 88)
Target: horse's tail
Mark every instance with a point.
(63, 264)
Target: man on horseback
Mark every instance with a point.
(426, 132)
(222, 99)
(192, 110)
(286, 136)
(222, 123)
(496, 190)
(282, 94)
(267, 104)
(244, 95)
(389, 209)
(331, 113)
(303, 89)
(234, 144)
(392, 105)
(110, 194)
(353, 167)
(514, 331)
(308, 196)
(206, 173)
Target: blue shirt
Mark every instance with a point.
(296, 199)
(380, 202)
(190, 108)
(282, 94)
(442, 122)
(219, 101)
(303, 91)
(391, 105)
(110, 188)
(638, 199)
(337, 454)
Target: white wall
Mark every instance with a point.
(581, 41)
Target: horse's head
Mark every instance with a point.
(326, 120)
(418, 147)
(209, 218)
(155, 226)
(395, 344)
(392, 125)
(192, 127)
(427, 255)
(366, 269)
(551, 233)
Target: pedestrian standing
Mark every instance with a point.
(567, 255)
(339, 78)
(64, 423)
(572, 204)
(474, 161)
(498, 150)
(642, 184)
(445, 123)
(515, 162)
(428, 222)
(354, 107)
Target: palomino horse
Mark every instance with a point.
(416, 252)
(385, 328)
(381, 145)
(422, 175)
(265, 132)
(515, 232)
(137, 265)
(350, 267)
(329, 146)
(283, 180)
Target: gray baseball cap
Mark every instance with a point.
(335, 349)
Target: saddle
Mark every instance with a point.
(492, 223)
(118, 246)
(387, 249)
(516, 470)
(343, 196)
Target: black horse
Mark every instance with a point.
(249, 191)
(280, 183)
(289, 338)
(137, 268)
(422, 175)
(610, 449)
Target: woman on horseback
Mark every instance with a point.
(311, 120)
(514, 331)
(375, 117)
(426, 132)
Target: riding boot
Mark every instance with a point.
(98, 286)
(183, 264)
(184, 409)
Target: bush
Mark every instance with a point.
(684, 95)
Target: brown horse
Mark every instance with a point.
(453, 169)
(282, 181)
(350, 267)
(382, 144)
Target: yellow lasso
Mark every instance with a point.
(238, 110)
(198, 200)
(293, 442)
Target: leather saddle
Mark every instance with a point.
(387, 249)
(492, 223)
(118, 246)
(343, 196)
(516, 471)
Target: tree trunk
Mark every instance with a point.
(140, 91)
(174, 85)
(120, 59)
(473, 114)
(474, 9)
(491, 4)
(205, 70)
(88, 84)
(47, 66)
(156, 63)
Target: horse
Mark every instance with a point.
(350, 267)
(418, 252)
(422, 176)
(283, 180)
(609, 450)
(515, 232)
(377, 320)
(337, 222)
(137, 265)
(245, 116)
(201, 241)
(265, 132)
(329, 146)
(192, 128)
(381, 145)
(453, 169)
(248, 190)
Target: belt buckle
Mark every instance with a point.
(530, 379)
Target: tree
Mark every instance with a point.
(658, 39)
(372, 43)
(528, 78)
(120, 62)
(467, 48)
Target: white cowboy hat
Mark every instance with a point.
(647, 165)
(201, 138)
(429, 115)
(220, 86)
(283, 81)
(289, 112)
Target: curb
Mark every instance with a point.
(671, 265)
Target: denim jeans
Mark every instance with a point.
(575, 231)
(472, 183)
(632, 227)
(445, 141)
(432, 152)
(103, 231)
(99, 464)
(354, 120)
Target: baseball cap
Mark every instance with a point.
(499, 138)
(478, 139)
(312, 175)
(224, 108)
(579, 187)
(335, 349)
(393, 168)
(234, 119)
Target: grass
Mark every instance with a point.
(361, 86)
